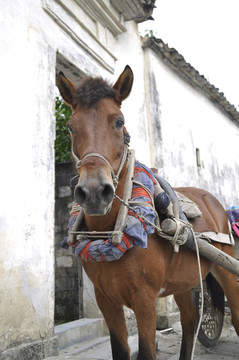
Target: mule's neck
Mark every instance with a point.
(107, 222)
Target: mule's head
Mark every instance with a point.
(97, 131)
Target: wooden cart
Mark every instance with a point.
(212, 319)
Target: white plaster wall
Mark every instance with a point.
(188, 120)
(129, 52)
(27, 178)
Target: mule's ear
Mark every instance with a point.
(66, 88)
(124, 84)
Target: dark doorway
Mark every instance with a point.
(68, 270)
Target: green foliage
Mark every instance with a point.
(149, 33)
(63, 139)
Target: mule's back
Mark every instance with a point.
(213, 217)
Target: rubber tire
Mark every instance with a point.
(216, 318)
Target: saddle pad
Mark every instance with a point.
(220, 237)
(190, 209)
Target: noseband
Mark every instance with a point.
(115, 177)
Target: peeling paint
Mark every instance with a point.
(189, 121)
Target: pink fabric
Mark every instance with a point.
(236, 228)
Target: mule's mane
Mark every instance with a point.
(91, 90)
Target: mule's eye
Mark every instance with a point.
(119, 123)
(70, 128)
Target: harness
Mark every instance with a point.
(136, 220)
(115, 177)
(128, 232)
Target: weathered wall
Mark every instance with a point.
(129, 51)
(27, 190)
(192, 141)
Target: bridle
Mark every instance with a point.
(115, 177)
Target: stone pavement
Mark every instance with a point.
(168, 346)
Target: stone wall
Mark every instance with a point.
(68, 304)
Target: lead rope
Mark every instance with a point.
(202, 298)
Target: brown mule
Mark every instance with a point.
(137, 278)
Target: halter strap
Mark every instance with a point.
(115, 177)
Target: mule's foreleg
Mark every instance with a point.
(188, 322)
(145, 311)
(114, 317)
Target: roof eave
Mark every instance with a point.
(186, 71)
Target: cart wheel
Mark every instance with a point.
(212, 319)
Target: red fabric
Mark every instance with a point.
(126, 239)
(120, 248)
(135, 215)
(138, 191)
(85, 252)
(139, 169)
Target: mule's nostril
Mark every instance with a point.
(107, 193)
(81, 194)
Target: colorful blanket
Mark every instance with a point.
(233, 216)
(135, 232)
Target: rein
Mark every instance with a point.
(115, 177)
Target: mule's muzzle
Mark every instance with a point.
(95, 198)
